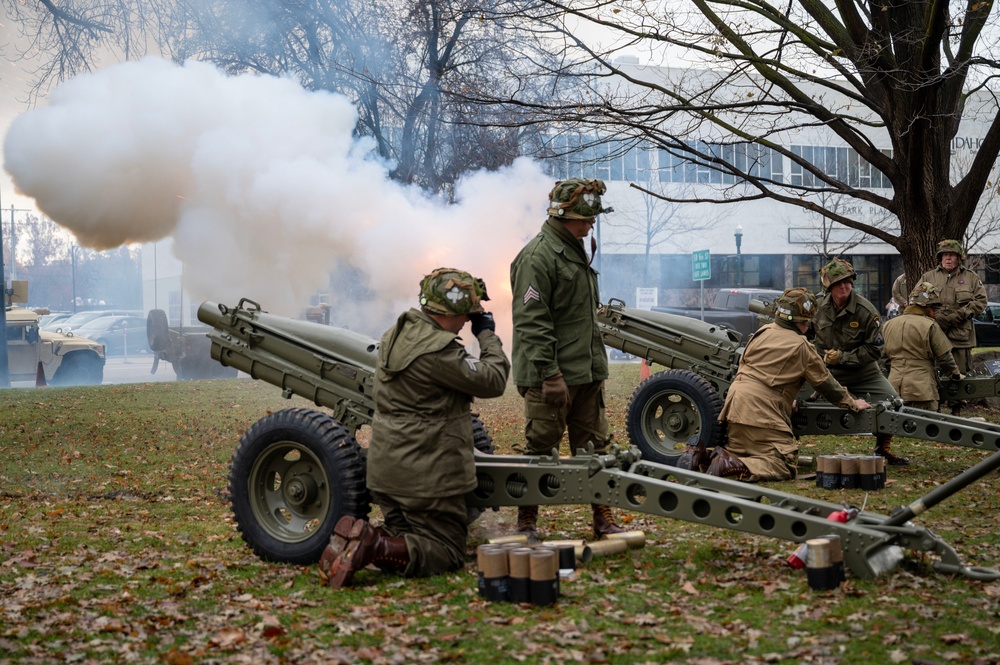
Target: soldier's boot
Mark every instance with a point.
(883, 448)
(604, 521)
(956, 409)
(527, 523)
(339, 538)
(695, 455)
(724, 465)
(365, 544)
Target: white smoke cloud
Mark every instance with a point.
(262, 188)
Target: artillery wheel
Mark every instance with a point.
(483, 442)
(293, 475)
(667, 409)
(157, 330)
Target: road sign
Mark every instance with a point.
(701, 265)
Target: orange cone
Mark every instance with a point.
(40, 377)
(644, 370)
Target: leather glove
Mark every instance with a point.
(947, 319)
(832, 356)
(482, 321)
(555, 392)
(957, 376)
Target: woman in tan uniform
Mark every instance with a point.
(776, 361)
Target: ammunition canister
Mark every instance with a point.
(518, 538)
(867, 478)
(580, 549)
(849, 472)
(831, 473)
(567, 560)
(880, 472)
(819, 568)
(544, 577)
(820, 466)
(608, 547)
(837, 557)
(519, 565)
(495, 577)
(634, 539)
(481, 566)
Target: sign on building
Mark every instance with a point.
(645, 297)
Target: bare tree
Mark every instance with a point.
(398, 62)
(63, 38)
(890, 82)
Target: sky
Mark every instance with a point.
(14, 86)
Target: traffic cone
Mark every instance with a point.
(644, 370)
(40, 377)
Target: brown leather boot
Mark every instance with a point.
(604, 521)
(695, 455)
(365, 544)
(883, 444)
(527, 518)
(332, 551)
(724, 465)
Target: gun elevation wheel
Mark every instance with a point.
(293, 475)
(667, 409)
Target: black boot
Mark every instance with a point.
(883, 445)
(527, 518)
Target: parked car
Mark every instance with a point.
(118, 334)
(52, 317)
(80, 318)
(988, 325)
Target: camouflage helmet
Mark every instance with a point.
(950, 246)
(836, 271)
(795, 304)
(925, 294)
(451, 292)
(577, 198)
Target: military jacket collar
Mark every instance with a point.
(563, 241)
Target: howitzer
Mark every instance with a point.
(671, 406)
(297, 471)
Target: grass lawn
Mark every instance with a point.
(117, 545)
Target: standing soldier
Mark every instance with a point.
(963, 297)
(914, 344)
(420, 462)
(776, 362)
(560, 362)
(849, 337)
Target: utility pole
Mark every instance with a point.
(4, 365)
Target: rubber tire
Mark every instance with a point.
(483, 443)
(157, 330)
(668, 408)
(339, 477)
(79, 368)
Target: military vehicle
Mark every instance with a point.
(61, 360)
(297, 471)
(187, 349)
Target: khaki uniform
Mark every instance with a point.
(914, 344)
(962, 293)
(899, 292)
(555, 300)
(856, 331)
(420, 461)
(758, 408)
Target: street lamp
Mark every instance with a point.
(739, 258)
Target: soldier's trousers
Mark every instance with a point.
(434, 530)
(769, 454)
(584, 417)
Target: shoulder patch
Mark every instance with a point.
(473, 364)
(531, 294)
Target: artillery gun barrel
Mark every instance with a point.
(674, 341)
(332, 367)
